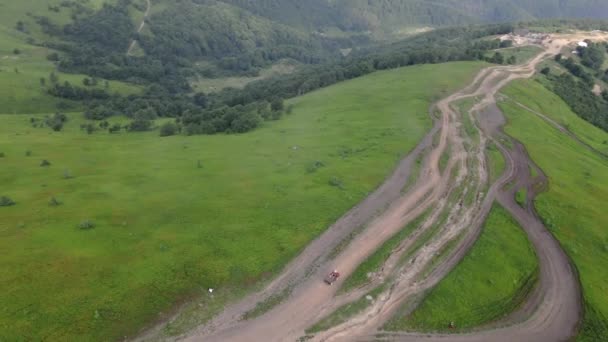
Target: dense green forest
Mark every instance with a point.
(211, 38)
(575, 86)
(234, 111)
(388, 14)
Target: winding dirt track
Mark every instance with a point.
(141, 27)
(552, 312)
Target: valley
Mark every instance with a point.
(555, 297)
(219, 170)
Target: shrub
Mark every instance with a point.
(6, 202)
(45, 163)
(115, 128)
(315, 166)
(57, 126)
(28, 153)
(53, 57)
(54, 202)
(140, 125)
(335, 181)
(2, 155)
(277, 104)
(545, 71)
(67, 174)
(90, 128)
(168, 129)
(289, 109)
(86, 225)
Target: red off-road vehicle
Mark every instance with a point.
(332, 277)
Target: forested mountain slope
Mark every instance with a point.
(374, 14)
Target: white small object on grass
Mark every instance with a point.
(210, 290)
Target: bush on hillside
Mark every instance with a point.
(56, 121)
(115, 128)
(67, 174)
(336, 182)
(86, 225)
(168, 129)
(54, 202)
(140, 125)
(6, 202)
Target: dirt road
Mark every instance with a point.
(553, 311)
(141, 27)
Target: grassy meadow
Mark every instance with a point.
(574, 208)
(175, 216)
(485, 286)
(20, 74)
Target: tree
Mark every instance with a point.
(90, 128)
(56, 121)
(498, 58)
(115, 128)
(558, 57)
(99, 112)
(140, 125)
(42, 81)
(57, 126)
(86, 82)
(593, 56)
(277, 104)
(148, 113)
(512, 60)
(506, 44)
(20, 26)
(168, 129)
(53, 78)
(53, 57)
(201, 100)
(246, 122)
(545, 71)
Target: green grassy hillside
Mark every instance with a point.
(488, 284)
(574, 208)
(20, 74)
(177, 215)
